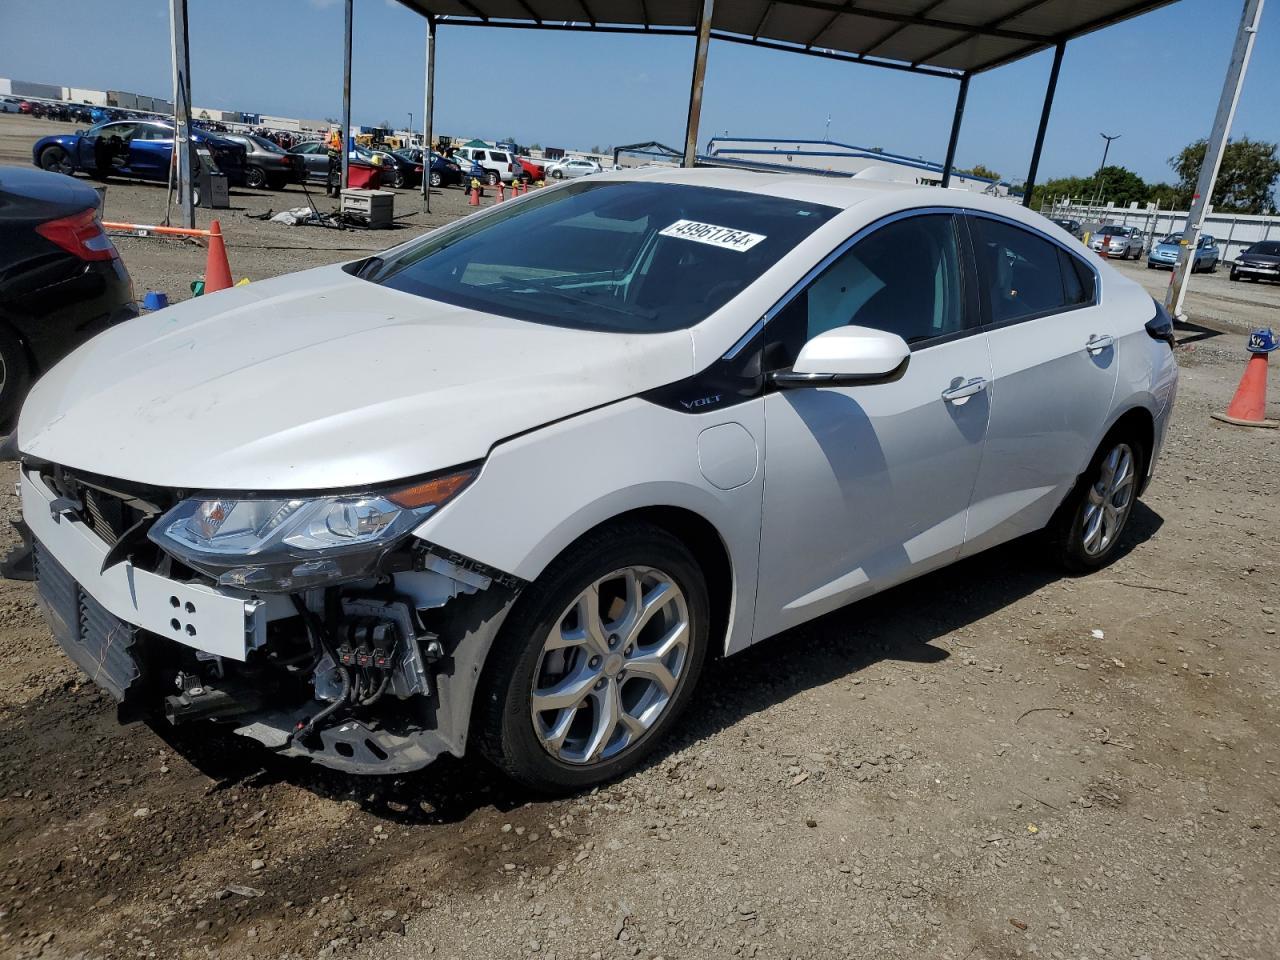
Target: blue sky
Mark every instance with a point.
(1154, 80)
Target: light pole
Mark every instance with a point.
(1097, 197)
(411, 123)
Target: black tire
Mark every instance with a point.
(557, 174)
(492, 178)
(56, 160)
(1150, 265)
(1234, 275)
(503, 725)
(255, 178)
(436, 179)
(1066, 531)
(15, 376)
(399, 180)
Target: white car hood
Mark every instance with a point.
(321, 380)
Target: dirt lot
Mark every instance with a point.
(991, 762)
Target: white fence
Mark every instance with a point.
(1234, 232)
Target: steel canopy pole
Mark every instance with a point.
(428, 109)
(695, 88)
(955, 131)
(346, 97)
(1214, 148)
(1049, 92)
(182, 146)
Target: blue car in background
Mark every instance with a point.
(1165, 253)
(142, 149)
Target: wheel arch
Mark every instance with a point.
(1139, 422)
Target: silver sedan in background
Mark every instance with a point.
(1117, 241)
(571, 167)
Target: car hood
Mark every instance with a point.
(320, 380)
(1261, 259)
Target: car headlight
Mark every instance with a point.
(285, 544)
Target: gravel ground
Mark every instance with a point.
(990, 762)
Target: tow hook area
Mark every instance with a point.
(198, 700)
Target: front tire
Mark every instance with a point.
(56, 160)
(1086, 530)
(492, 178)
(557, 174)
(15, 376)
(255, 178)
(436, 179)
(596, 662)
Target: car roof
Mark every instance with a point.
(834, 191)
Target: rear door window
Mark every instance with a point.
(1023, 275)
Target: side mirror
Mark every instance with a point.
(846, 355)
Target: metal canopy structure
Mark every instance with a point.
(952, 39)
(945, 37)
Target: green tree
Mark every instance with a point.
(980, 170)
(1169, 196)
(1119, 186)
(1246, 181)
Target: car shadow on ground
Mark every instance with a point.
(900, 624)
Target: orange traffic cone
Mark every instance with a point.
(1248, 408)
(501, 193)
(474, 199)
(217, 271)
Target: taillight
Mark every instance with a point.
(1160, 327)
(80, 234)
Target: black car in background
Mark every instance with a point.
(1258, 262)
(61, 277)
(267, 164)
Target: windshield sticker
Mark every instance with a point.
(709, 233)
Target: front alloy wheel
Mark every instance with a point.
(596, 660)
(610, 666)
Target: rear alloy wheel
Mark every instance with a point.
(255, 177)
(436, 179)
(597, 661)
(492, 178)
(56, 160)
(1088, 526)
(398, 180)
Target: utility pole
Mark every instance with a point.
(183, 149)
(347, 139)
(1214, 148)
(1097, 196)
(410, 123)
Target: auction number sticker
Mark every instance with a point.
(709, 233)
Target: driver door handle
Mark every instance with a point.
(966, 389)
(1099, 342)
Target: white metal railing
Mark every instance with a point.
(1233, 231)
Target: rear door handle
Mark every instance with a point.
(966, 389)
(1099, 342)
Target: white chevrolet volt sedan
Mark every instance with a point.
(508, 486)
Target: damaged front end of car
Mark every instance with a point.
(318, 625)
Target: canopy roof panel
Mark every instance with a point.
(928, 36)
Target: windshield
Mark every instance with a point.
(267, 145)
(1270, 248)
(1114, 231)
(631, 257)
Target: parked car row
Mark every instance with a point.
(1261, 261)
(127, 148)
